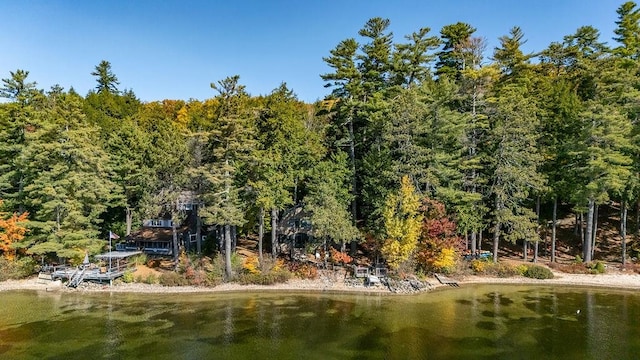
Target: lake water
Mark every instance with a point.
(474, 322)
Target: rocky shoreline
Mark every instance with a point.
(617, 280)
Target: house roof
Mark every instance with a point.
(294, 221)
(117, 255)
(152, 234)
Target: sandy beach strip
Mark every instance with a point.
(617, 280)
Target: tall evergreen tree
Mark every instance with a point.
(361, 74)
(107, 80)
(286, 149)
(230, 145)
(451, 60)
(514, 164)
(68, 185)
(623, 85)
(509, 55)
(601, 160)
(412, 60)
(17, 117)
(475, 81)
(628, 31)
(328, 200)
(375, 58)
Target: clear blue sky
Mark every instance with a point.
(175, 49)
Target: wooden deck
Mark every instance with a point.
(116, 266)
(445, 280)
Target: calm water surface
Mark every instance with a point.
(474, 322)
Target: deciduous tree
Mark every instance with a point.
(402, 223)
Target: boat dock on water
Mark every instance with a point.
(112, 265)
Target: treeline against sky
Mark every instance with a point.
(497, 135)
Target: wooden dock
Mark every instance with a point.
(446, 281)
(116, 265)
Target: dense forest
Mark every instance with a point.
(420, 142)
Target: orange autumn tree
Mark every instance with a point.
(11, 230)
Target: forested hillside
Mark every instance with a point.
(422, 140)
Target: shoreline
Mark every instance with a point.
(615, 281)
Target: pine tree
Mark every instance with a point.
(628, 31)
(602, 161)
(412, 61)
(509, 55)
(107, 80)
(166, 158)
(514, 164)
(475, 81)
(623, 86)
(451, 59)
(328, 200)
(285, 151)
(231, 142)
(68, 185)
(17, 117)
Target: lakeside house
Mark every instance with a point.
(294, 230)
(155, 236)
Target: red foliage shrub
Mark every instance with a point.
(438, 233)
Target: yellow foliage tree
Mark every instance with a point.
(446, 260)
(252, 265)
(402, 224)
(11, 230)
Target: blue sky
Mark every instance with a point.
(175, 49)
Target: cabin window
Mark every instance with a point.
(155, 223)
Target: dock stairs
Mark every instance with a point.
(77, 277)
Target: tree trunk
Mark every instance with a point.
(128, 219)
(274, 232)
(637, 218)
(473, 243)
(525, 249)
(623, 231)
(174, 230)
(260, 232)
(586, 241)
(354, 190)
(582, 227)
(537, 244)
(553, 229)
(496, 239)
(479, 240)
(227, 226)
(227, 252)
(354, 248)
(352, 156)
(496, 232)
(198, 230)
(595, 230)
(234, 238)
(21, 209)
(59, 220)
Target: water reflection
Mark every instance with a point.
(470, 322)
